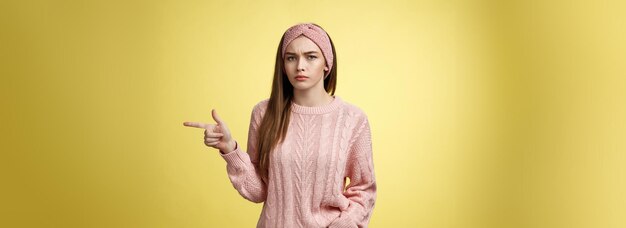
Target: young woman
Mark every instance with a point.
(302, 143)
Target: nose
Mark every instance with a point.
(301, 64)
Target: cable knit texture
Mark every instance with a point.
(307, 173)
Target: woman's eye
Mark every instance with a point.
(312, 57)
(290, 58)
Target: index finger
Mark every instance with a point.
(195, 124)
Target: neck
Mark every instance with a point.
(311, 98)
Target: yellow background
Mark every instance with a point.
(483, 114)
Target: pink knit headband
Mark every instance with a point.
(315, 34)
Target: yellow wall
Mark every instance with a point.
(483, 114)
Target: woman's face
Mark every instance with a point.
(305, 64)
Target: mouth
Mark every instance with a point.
(301, 78)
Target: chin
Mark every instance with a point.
(301, 87)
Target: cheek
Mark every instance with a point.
(287, 67)
(320, 66)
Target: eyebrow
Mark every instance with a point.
(306, 53)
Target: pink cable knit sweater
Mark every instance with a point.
(324, 144)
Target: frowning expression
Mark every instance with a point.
(304, 64)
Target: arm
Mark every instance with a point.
(362, 188)
(242, 167)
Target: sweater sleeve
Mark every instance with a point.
(361, 191)
(243, 168)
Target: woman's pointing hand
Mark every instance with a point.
(216, 135)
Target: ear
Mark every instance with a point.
(325, 68)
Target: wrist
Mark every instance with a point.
(230, 147)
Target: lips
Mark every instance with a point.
(301, 77)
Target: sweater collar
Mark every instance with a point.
(334, 104)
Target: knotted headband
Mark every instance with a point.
(315, 34)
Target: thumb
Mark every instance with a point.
(216, 117)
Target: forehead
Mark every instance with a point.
(302, 44)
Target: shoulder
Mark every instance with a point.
(355, 112)
(261, 106)
(258, 111)
(360, 126)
